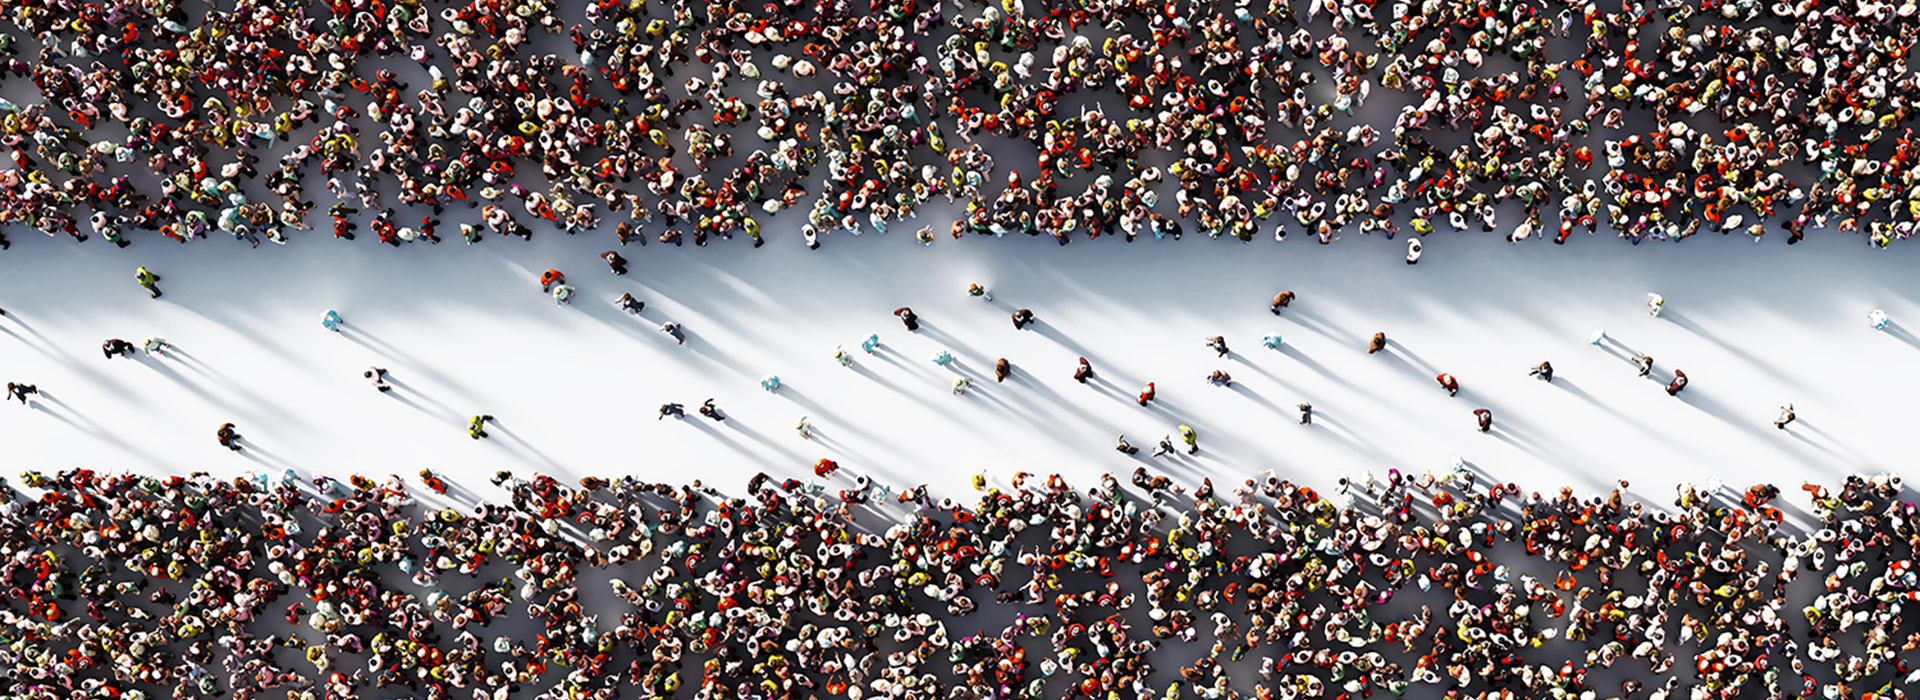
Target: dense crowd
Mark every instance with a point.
(129, 586)
(1790, 112)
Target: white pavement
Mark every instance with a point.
(466, 330)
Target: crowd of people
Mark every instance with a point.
(1793, 112)
(132, 586)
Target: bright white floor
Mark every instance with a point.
(466, 330)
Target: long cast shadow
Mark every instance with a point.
(1682, 321)
(1902, 334)
(497, 426)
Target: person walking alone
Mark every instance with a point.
(1544, 370)
(1281, 300)
(331, 321)
(1679, 382)
(20, 391)
(1306, 413)
(711, 411)
(1083, 372)
(1021, 318)
(1146, 394)
(1645, 362)
(476, 427)
(908, 317)
(1219, 345)
(1124, 448)
(378, 375)
(1449, 383)
(1485, 417)
(228, 437)
(1379, 343)
(672, 409)
(615, 262)
(1001, 369)
(149, 280)
(1786, 416)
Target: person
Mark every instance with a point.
(825, 467)
(331, 321)
(1485, 418)
(549, 278)
(149, 280)
(1125, 448)
(961, 385)
(1878, 319)
(228, 437)
(840, 355)
(1219, 378)
(975, 290)
(1021, 318)
(1645, 362)
(1306, 413)
(673, 329)
(1191, 437)
(711, 411)
(805, 428)
(871, 344)
(908, 317)
(115, 347)
(770, 382)
(1544, 370)
(378, 376)
(1281, 300)
(627, 303)
(1165, 446)
(1679, 382)
(1271, 341)
(1413, 251)
(1449, 383)
(20, 391)
(1146, 394)
(1655, 303)
(563, 295)
(156, 346)
(1001, 369)
(615, 262)
(476, 427)
(1379, 343)
(1219, 345)
(1786, 416)
(943, 359)
(672, 409)
(1083, 372)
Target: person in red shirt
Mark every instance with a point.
(1146, 394)
(550, 278)
(1447, 382)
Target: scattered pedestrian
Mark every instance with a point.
(908, 317)
(1679, 382)
(476, 427)
(1083, 372)
(1306, 413)
(673, 329)
(1655, 303)
(1281, 300)
(672, 409)
(1878, 319)
(840, 355)
(943, 359)
(1544, 370)
(149, 280)
(711, 411)
(627, 303)
(1192, 439)
(1001, 369)
(378, 376)
(871, 344)
(1165, 446)
(156, 346)
(615, 262)
(1379, 343)
(977, 291)
(331, 321)
(563, 295)
(1449, 383)
(961, 385)
(115, 347)
(1146, 394)
(1271, 341)
(1219, 378)
(1125, 448)
(770, 382)
(549, 278)
(228, 437)
(21, 391)
(805, 428)
(1219, 345)
(1786, 416)
(1645, 363)
(1485, 418)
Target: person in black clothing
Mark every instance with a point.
(908, 317)
(116, 347)
(1021, 318)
